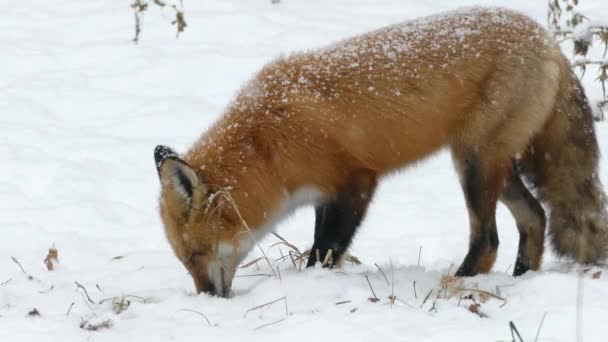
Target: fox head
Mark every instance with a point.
(201, 228)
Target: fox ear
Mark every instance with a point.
(179, 182)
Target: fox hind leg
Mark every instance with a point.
(530, 220)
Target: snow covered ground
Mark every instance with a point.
(82, 108)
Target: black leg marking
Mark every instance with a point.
(337, 221)
(479, 190)
(530, 219)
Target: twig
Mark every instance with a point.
(384, 275)
(392, 297)
(344, 302)
(268, 324)
(415, 294)
(85, 292)
(198, 313)
(419, 253)
(375, 298)
(6, 282)
(540, 326)
(267, 304)
(404, 302)
(87, 303)
(47, 291)
(21, 267)
(514, 330)
(426, 298)
(70, 309)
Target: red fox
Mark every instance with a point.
(322, 127)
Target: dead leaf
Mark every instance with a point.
(474, 308)
(51, 258)
(597, 275)
(34, 313)
(105, 324)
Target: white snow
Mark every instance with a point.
(82, 109)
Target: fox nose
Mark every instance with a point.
(213, 281)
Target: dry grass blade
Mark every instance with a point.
(287, 243)
(21, 267)
(344, 302)
(486, 293)
(540, 327)
(85, 292)
(352, 259)
(384, 275)
(198, 313)
(253, 275)
(269, 324)
(266, 305)
(426, 298)
(229, 198)
(375, 298)
(69, 309)
(251, 263)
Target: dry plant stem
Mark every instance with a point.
(70, 309)
(254, 275)
(426, 298)
(6, 282)
(251, 263)
(286, 243)
(198, 313)
(415, 294)
(384, 275)
(540, 327)
(47, 291)
(143, 300)
(344, 302)
(19, 264)
(267, 304)
(271, 323)
(372, 289)
(87, 303)
(419, 254)
(85, 292)
(236, 209)
(514, 332)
